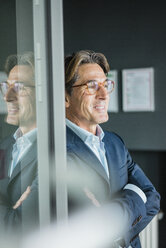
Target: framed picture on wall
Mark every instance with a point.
(138, 89)
(3, 108)
(113, 102)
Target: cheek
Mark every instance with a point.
(81, 103)
(27, 105)
(86, 105)
(77, 101)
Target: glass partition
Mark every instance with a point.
(32, 120)
(19, 208)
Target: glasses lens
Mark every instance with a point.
(4, 87)
(17, 87)
(110, 85)
(92, 87)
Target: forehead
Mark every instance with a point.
(23, 73)
(91, 71)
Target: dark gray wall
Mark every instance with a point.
(16, 25)
(8, 43)
(131, 35)
(24, 24)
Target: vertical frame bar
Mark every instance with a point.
(59, 108)
(40, 47)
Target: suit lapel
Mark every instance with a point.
(112, 163)
(81, 150)
(27, 159)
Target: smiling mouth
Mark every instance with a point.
(13, 110)
(100, 108)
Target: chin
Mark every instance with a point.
(104, 118)
(12, 120)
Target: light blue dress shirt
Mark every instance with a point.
(94, 142)
(21, 146)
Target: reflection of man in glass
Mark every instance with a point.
(19, 94)
(18, 162)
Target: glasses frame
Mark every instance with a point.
(9, 86)
(99, 84)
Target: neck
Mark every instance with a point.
(90, 127)
(26, 129)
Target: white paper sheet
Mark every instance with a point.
(113, 102)
(138, 89)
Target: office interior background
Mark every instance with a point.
(131, 34)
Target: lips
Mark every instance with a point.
(13, 109)
(100, 107)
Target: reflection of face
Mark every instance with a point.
(88, 110)
(21, 106)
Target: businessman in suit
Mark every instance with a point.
(18, 152)
(97, 160)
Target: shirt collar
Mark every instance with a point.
(84, 134)
(29, 137)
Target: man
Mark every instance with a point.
(100, 162)
(18, 162)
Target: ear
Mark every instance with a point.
(67, 101)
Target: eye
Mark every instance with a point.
(107, 83)
(92, 84)
(18, 86)
(110, 85)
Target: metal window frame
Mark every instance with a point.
(59, 108)
(41, 77)
(48, 165)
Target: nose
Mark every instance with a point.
(101, 92)
(10, 95)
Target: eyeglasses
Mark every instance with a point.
(92, 86)
(17, 87)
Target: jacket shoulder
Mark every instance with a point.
(114, 137)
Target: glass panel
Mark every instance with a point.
(19, 214)
(32, 190)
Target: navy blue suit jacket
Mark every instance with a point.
(24, 175)
(84, 165)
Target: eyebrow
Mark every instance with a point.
(22, 82)
(91, 80)
(14, 81)
(19, 81)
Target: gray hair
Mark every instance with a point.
(26, 58)
(72, 63)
